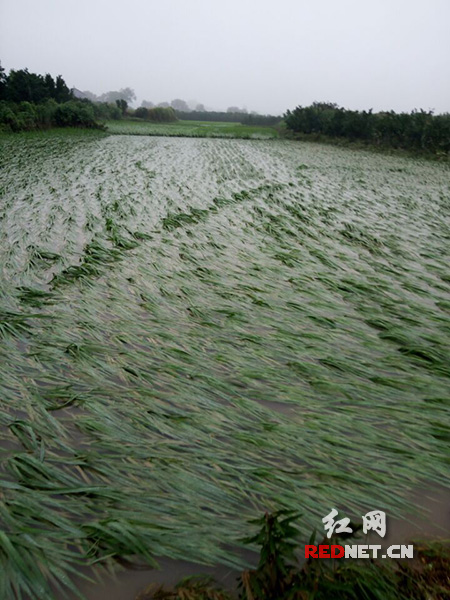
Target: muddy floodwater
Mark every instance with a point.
(194, 331)
(125, 584)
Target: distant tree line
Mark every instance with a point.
(233, 114)
(29, 101)
(229, 117)
(419, 130)
(255, 119)
(112, 97)
(182, 106)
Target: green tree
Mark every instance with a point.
(50, 86)
(62, 92)
(122, 105)
(141, 112)
(3, 82)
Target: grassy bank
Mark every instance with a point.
(202, 129)
(52, 135)
(379, 148)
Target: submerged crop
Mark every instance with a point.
(193, 331)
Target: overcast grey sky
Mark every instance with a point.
(262, 54)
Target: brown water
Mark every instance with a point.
(432, 523)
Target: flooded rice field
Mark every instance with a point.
(193, 331)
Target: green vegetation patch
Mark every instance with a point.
(191, 129)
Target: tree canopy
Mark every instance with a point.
(30, 101)
(23, 86)
(418, 130)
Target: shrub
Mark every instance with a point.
(161, 115)
(75, 114)
(106, 111)
(8, 118)
(418, 130)
(141, 113)
(27, 116)
(45, 113)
